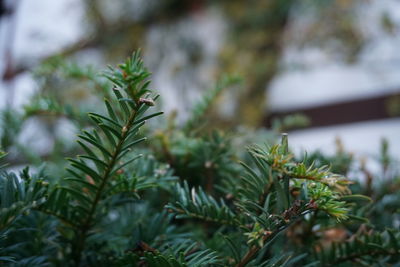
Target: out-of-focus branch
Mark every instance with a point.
(95, 40)
(103, 34)
(7, 76)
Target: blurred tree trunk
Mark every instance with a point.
(254, 51)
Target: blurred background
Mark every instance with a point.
(335, 63)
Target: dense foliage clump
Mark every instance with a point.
(183, 194)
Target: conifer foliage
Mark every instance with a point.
(188, 197)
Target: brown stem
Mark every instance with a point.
(249, 256)
(85, 227)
